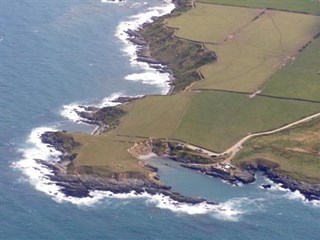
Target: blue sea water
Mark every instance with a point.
(54, 53)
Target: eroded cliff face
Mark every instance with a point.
(141, 148)
(151, 145)
(310, 191)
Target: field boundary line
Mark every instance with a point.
(251, 7)
(258, 95)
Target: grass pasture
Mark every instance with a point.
(208, 23)
(106, 154)
(295, 150)
(303, 6)
(253, 54)
(155, 116)
(299, 79)
(217, 120)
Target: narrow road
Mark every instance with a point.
(238, 146)
(232, 151)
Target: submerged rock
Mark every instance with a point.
(266, 186)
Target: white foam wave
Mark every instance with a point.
(149, 75)
(70, 111)
(292, 195)
(228, 211)
(109, 101)
(113, 1)
(36, 172)
(297, 195)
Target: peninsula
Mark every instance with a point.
(245, 97)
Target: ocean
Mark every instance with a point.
(57, 56)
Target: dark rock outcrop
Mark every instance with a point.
(309, 191)
(61, 141)
(244, 176)
(125, 99)
(106, 118)
(230, 175)
(266, 186)
(103, 116)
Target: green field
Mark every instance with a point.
(106, 155)
(217, 120)
(155, 116)
(300, 79)
(304, 6)
(208, 23)
(296, 151)
(252, 54)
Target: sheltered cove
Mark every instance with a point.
(78, 180)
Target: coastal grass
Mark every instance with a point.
(106, 155)
(217, 120)
(212, 24)
(154, 116)
(295, 151)
(302, 6)
(252, 54)
(299, 79)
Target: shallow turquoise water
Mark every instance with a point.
(54, 53)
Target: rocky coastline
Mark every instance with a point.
(309, 191)
(75, 184)
(235, 175)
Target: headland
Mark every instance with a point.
(224, 115)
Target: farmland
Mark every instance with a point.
(301, 6)
(217, 120)
(300, 79)
(155, 116)
(249, 51)
(208, 23)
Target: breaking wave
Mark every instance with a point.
(113, 1)
(70, 111)
(149, 74)
(36, 172)
(292, 195)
